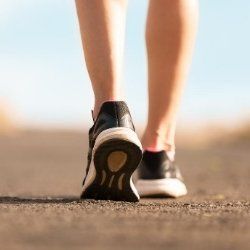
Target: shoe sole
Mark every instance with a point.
(168, 187)
(116, 155)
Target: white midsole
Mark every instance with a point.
(168, 186)
(117, 133)
(113, 133)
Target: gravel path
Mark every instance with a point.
(47, 167)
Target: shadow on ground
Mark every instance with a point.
(38, 200)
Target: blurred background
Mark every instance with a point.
(46, 98)
(43, 80)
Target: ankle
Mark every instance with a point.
(156, 142)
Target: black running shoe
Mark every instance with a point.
(159, 176)
(114, 153)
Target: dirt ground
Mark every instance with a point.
(40, 180)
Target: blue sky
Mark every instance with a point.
(43, 74)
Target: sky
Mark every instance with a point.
(44, 80)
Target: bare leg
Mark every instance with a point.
(102, 24)
(170, 33)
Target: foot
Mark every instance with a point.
(159, 176)
(114, 153)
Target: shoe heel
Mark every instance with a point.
(116, 155)
(115, 161)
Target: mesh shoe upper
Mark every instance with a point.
(157, 165)
(111, 115)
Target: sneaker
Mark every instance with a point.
(159, 176)
(114, 153)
